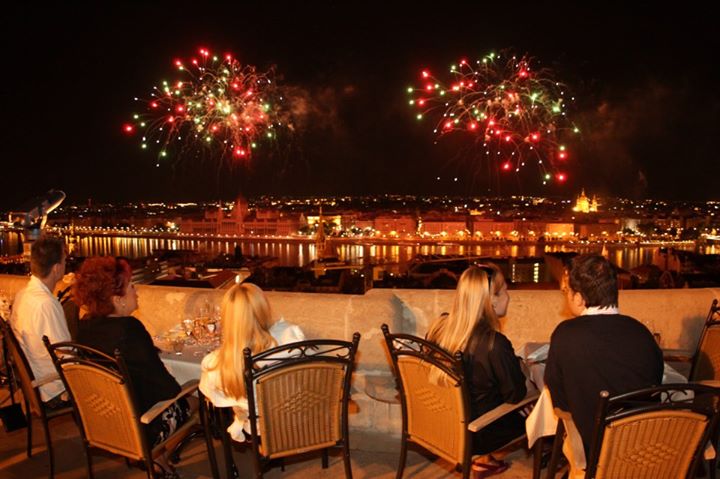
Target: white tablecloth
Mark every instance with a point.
(185, 366)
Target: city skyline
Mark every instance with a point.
(643, 79)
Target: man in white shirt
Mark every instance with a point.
(37, 312)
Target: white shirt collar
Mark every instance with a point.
(593, 310)
(37, 283)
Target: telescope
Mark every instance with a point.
(32, 215)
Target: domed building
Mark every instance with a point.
(584, 205)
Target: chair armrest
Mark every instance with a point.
(44, 380)
(157, 409)
(500, 411)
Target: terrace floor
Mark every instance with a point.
(367, 462)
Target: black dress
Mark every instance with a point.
(493, 376)
(151, 381)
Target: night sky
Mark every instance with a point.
(645, 77)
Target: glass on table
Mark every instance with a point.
(198, 330)
(187, 325)
(178, 344)
(211, 327)
(5, 305)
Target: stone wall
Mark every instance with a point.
(676, 314)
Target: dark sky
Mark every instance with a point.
(645, 77)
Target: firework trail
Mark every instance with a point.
(515, 113)
(217, 106)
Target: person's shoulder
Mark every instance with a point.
(125, 324)
(285, 332)
(568, 327)
(502, 344)
(502, 340)
(209, 361)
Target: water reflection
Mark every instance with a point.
(397, 256)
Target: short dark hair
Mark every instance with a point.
(595, 278)
(45, 252)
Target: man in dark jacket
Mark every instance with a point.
(600, 349)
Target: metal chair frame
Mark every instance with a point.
(69, 353)
(17, 363)
(399, 345)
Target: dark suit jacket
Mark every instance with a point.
(592, 353)
(151, 381)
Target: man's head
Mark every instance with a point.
(592, 281)
(47, 258)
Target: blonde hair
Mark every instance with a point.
(246, 322)
(471, 311)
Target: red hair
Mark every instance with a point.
(98, 280)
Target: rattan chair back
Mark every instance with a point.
(300, 408)
(655, 433)
(105, 407)
(706, 364)
(435, 416)
(298, 396)
(22, 370)
(101, 392)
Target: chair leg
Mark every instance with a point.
(325, 458)
(204, 420)
(88, 460)
(712, 466)
(556, 450)
(537, 458)
(28, 416)
(346, 459)
(403, 457)
(48, 441)
(150, 468)
(227, 452)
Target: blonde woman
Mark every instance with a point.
(492, 370)
(246, 323)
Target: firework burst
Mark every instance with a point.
(515, 113)
(216, 105)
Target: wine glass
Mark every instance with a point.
(188, 324)
(5, 304)
(178, 344)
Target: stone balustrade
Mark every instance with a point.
(677, 314)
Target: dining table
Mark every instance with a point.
(183, 365)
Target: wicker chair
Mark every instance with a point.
(102, 394)
(298, 396)
(437, 417)
(650, 434)
(30, 387)
(705, 362)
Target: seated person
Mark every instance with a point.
(103, 288)
(37, 312)
(246, 323)
(599, 349)
(492, 370)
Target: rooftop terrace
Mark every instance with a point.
(375, 422)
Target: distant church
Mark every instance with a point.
(584, 205)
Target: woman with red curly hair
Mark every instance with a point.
(104, 290)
